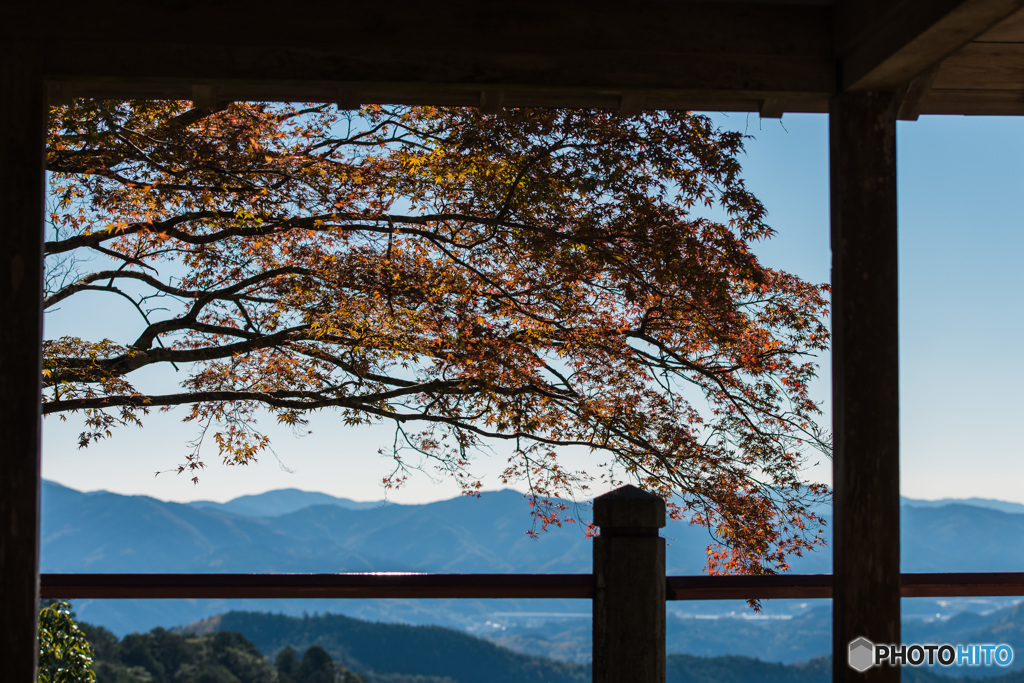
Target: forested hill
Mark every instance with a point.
(249, 647)
(161, 656)
(375, 648)
(394, 652)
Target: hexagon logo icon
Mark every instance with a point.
(862, 654)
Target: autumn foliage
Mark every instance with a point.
(541, 277)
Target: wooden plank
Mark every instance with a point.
(580, 586)
(378, 585)
(974, 102)
(984, 66)
(865, 377)
(962, 585)
(819, 586)
(682, 55)
(884, 47)
(22, 130)
(798, 586)
(1010, 30)
(443, 95)
(396, 26)
(709, 50)
(180, 66)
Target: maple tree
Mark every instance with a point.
(536, 276)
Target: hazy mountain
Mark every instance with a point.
(1000, 505)
(105, 532)
(961, 538)
(281, 502)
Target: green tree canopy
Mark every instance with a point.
(65, 655)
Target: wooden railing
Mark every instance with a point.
(482, 586)
(628, 587)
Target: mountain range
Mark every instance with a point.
(295, 531)
(281, 502)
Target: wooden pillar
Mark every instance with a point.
(22, 128)
(865, 378)
(629, 601)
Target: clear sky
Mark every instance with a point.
(961, 327)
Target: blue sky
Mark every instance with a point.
(961, 327)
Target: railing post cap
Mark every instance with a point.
(629, 507)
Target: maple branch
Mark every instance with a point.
(85, 281)
(96, 238)
(544, 281)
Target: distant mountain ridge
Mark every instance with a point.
(281, 502)
(284, 501)
(107, 532)
(1000, 505)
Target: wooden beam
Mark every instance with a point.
(60, 93)
(983, 78)
(410, 585)
(865, 378)
(1010, 30)
(347, 99)
(882, 45)
(772, 108)
(984, 66)
(632, 103)
(974, 102)
(397, 585)
(915, 93)
(22, 136)
(492, 101)
(441, 95)
(207, 96)
(561, 52)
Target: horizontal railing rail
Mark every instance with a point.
(370, 585)
(410, 585)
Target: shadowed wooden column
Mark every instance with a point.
(865, 378)
(629, 596)
(22, 127)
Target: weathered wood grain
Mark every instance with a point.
(865, 377)
(629, 588)
(22, 126)
(884, 48)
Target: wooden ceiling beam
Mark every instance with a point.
(569, 53)
(884, 44)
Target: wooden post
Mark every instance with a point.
(629, 601)
(22, 129)
(865, 378)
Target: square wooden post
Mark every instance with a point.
(865, 378)
(22, 140)
(629, 574)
